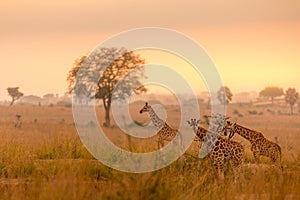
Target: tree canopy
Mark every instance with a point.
(107, 74)
(271, 92)
(224, 95)
(14, 93)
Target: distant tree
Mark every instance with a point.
(121, 66)
(49, 98)
(224, 95)
(291, 97)
(14, 93)
(32, 99)
(271, 92)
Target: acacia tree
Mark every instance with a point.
(14, 93)
(224, 95)
(271, 92)
(119, 70)
(291, 97)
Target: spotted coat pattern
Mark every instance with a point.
(260, 146)
(165, 132)
(222, 149)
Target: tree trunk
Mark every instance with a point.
(107, 118)
(272, 100)
(291, 109)
(12, 102)
(107, 106)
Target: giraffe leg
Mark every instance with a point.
(238, 161)
(182, 151)
(237, 166)
(161, 145)
(233, 166)
(220, 169)
(276, 159)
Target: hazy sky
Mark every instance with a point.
(254, 43)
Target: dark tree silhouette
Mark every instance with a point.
(291, 97)
(14, 93)
(224, 95)
(271, 92)
(123, 70)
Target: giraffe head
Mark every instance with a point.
(194, 124)
(231, 127)
(146, 108)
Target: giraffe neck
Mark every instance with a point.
(157, 122)
(204, 135)
(248, 134)
(201, 133)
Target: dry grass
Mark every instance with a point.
(45, 159)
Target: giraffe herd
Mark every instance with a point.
(220, 149)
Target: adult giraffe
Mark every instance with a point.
(165, 132)
(260, 146)
(219, 149)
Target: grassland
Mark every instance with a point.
(45, 159)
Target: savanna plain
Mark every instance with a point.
(42, 157)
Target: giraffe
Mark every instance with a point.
(260, 146)
(220, 149)
(165, 132)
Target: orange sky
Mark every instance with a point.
(253, 44)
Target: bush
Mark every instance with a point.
(236, 112)
(252, 112)
(270, 111)
(64, 103)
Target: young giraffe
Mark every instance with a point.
(165, 131)
(221, 149)
(260, 146)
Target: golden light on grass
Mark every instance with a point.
(45, 159)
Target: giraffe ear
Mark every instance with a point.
(188, 122)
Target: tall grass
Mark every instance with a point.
(46, 160)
